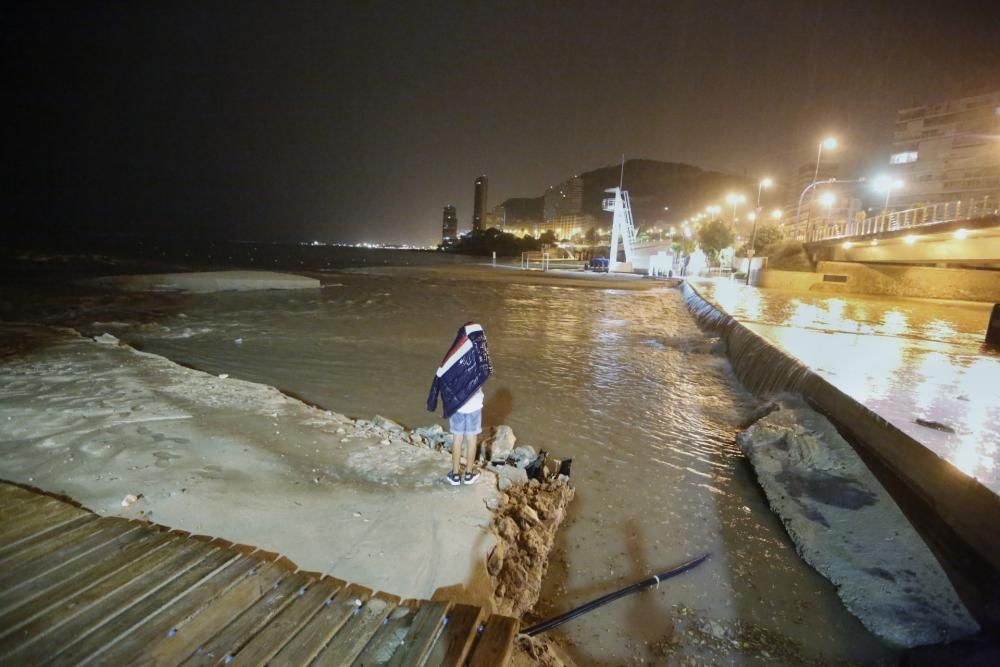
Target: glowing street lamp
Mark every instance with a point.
(887, 185)
(735, 200)
(776, 214)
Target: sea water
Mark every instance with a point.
(621, 381)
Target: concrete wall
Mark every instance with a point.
(907, 281)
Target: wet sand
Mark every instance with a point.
(98, 422)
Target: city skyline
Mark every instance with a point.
(360, 123)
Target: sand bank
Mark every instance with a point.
(99, 421)
(506, 273)
(207, 281)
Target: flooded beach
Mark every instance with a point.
(621, 381)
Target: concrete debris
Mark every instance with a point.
(106, 339)
(387, 424)
(526, 526)
(500, 443)
(847, 526)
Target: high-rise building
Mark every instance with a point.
(479, 206)
(564, 199)
(947, 151)
(522, 215)
(449, 225)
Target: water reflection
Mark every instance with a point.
(909, 360)
(624, 382)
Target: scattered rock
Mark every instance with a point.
(522, 456)
(510, 474)
(501, 443)
(106, 339)
(130, 499)
(385, 423)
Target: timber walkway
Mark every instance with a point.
(76, 588)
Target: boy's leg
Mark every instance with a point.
(456, 452)
(470, 458)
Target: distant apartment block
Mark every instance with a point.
(449, 225)
(479, 205)
(570, 227)
(522, 215)
(947, 151)
(564, 199)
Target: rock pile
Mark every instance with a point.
(526, 524)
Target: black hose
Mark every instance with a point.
(594, 604)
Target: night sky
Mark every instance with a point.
(359, 121)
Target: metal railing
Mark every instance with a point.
(891, 221)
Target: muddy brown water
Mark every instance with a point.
(623, 382)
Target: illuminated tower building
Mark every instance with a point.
(479, 207)
(449, 225)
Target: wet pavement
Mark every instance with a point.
(919, 363)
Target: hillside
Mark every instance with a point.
(652, 184)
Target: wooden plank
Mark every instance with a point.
(32, 548)
(37, 519)
(496, 642)
(18, 570)
(172, 636)
(30, 511)
(385, 641)
(64, 595)
(427, 624)
(352, 638)
(92, 617)
(235, 635)
(39, 538)
(460, 631)
(307, 644)
(24, 640)
(285, 625)
(12, 492)
(124, 625)
(72, 564)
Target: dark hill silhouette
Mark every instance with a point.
(652, 184)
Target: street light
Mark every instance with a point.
(798, 213)
(764, 183)
(887, 185)
(829, 144)
(735, 200)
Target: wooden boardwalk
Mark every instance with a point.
(76, 589)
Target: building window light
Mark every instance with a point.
(903, 158)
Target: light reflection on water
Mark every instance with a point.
(906, 359)
(624, 382)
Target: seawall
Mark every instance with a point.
(954, 513)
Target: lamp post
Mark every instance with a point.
(827, 199)
(735, 200)
(829, 143)
(764, 183)
(798, 213)
(887, 184)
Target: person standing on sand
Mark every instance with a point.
(459, 379)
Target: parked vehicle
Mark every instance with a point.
(597, 264)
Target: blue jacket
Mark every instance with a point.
(462, 371)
